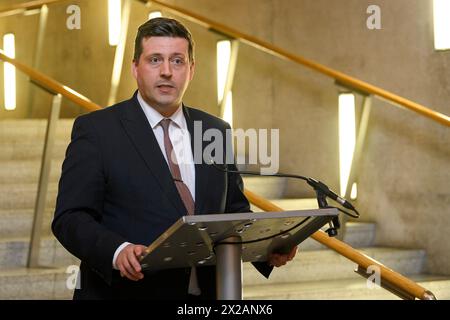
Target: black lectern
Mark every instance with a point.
(227, 240)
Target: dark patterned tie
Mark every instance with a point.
(183, 190)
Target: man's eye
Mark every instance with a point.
(178, 61)
(155, 60)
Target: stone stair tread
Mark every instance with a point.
(4, 213)
(328, 265)
(25, 127)
(22, 271)
(24, 163)
(24, 187)
(27, 171)
(30, 150)
(23, 195)
(267, 187)
(18, 222)
(18, 135)
(373, 252)
(26, 123)
(34, 283)
(332, 289)
(342, 289)
(8, 240)
(357, 235)
(31, 143)
(14, 252)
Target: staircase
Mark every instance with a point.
(315, 273)
(21, 145)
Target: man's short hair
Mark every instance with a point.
(162, 27)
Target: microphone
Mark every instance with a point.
(324, 188)
(317, 185)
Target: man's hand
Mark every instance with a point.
(128, 262)
(278, 260)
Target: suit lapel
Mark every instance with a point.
(141, 134)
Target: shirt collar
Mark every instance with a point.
(154, 117)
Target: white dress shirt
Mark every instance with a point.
(181, 140)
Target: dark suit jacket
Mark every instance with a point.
(116, 186)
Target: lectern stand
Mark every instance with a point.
(227, 240)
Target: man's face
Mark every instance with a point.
(163, 72)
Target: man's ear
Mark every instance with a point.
(192, 70)
(134, 69)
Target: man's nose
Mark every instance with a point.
(166, 69)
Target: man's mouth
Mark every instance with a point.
(165, 87)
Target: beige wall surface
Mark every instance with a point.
(404, 176)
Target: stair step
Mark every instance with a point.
(22, 283)
(329, 265)
(41, 283)
(267, 187)
(18, 222)
(30, 150)
(27, 171)
(23, 196)
(14, 253)
(32, 130)
(348, 289)
(357, 235)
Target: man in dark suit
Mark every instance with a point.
(120, 187)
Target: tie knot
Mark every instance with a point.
(165, 123)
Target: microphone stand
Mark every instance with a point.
(323, 204)
(322, 192)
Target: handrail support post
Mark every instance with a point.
(39, 208)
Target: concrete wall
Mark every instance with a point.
(404, 178)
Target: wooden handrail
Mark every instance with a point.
(21, 7)
(347, 251)
(51, 85)
(284, 54)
